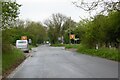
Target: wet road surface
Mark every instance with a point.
(56, 62)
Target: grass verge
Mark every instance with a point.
(68, 46)
(57, 45)
(11, 60)
(111, 54)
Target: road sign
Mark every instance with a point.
(72, 36)
(23, 37)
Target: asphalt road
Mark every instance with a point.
(55, 62)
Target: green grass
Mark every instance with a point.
(57, 45)
(68, 46)
(11, 58)
(111, 54)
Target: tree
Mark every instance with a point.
(100, 6)
(36, 32)
(114, 27)
(8, 14)
(10, 11)
(67, 29)
(59, 26)
(55, 25)
(102, 30)
(79, 31)
(104, 27)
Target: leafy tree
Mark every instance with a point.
(67, 29)
(10, 11)
(60, 26)
(8, 14)
(102, 30)
(36, 32)
(79, 31)
(55, 25)
(114, 27)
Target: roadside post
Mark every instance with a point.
(30, 41)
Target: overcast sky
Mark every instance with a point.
(40, 10)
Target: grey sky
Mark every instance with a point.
(40, 10)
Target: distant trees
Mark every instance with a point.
(68, 29)
(101, 30)
(55, 25)
(58, 27)
(36, 32)
(33, 30)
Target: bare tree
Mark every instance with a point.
(102, 6)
